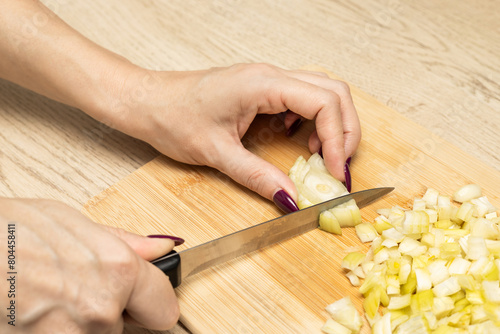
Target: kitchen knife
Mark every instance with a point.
(195, 259)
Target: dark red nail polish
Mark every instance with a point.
(178, 241)
(284, 201)
(294, 127)
(348, 181)
(348, 161)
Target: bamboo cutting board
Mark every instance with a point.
(283, 288)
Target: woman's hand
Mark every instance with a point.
(200, 117)
(74, 276)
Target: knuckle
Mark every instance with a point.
(172, 317)
(107, 314)
(328, 99)
(257, 69)
(321, 74)
(255, 180)
(125, 260)
(343, 88)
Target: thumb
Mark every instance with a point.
(147, 248)
(260, 176)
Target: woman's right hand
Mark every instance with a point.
(75, 276)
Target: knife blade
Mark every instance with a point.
(195, 259)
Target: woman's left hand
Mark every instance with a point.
(199, 117)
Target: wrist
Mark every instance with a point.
(109, 87)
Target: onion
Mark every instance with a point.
(315, 185)
(433, 269)
(344, 312)
(467, 192)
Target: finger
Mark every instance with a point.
(147, 248)
(314, 142)
(323, 105)
(290, 118)
(292, 122)
(152, 303)
(253, 172)
(351, 125)
(299, 71)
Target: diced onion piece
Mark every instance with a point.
(353, 278)
(383, 325)
(491, 215)
(412, 247)
(399, 302)
(433, 215)
(476, 248)
(344, 312)
(414, 325)
(438, 271)
(333, 327)
(396, 217)
(422, 301)
(415, 222)
(431, 197)
(465, 211)
(358, 271)
(352, 260)
(329, 223)
(491, 291)
(423, 279)
(447, 288)
(347, 214)
(484, 228)
(393, 286)
(467, 192)
(366, 232)
(442, 306)
(483, 206)
(419, 204)
(371, 303)
(474, 297)
(382, 255)
(382, 224)
(388, 243)
(459, 266)
(444, 207)
(393, 234)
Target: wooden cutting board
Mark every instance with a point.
(283, 288)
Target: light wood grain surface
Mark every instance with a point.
(283, 288)
(437, 63)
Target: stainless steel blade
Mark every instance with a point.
(211, 253)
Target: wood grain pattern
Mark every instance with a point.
(283, 288)
(434, 62)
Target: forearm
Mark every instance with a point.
(42, 53)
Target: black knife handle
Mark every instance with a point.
(171, 266)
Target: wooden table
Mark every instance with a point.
(436, 63)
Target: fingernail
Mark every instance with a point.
(348, 161)
(294, 127)
(178, 241)
(347, 174)
(320, 151)
(284, 201)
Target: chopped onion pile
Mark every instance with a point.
(433, 269)
(315, 185)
